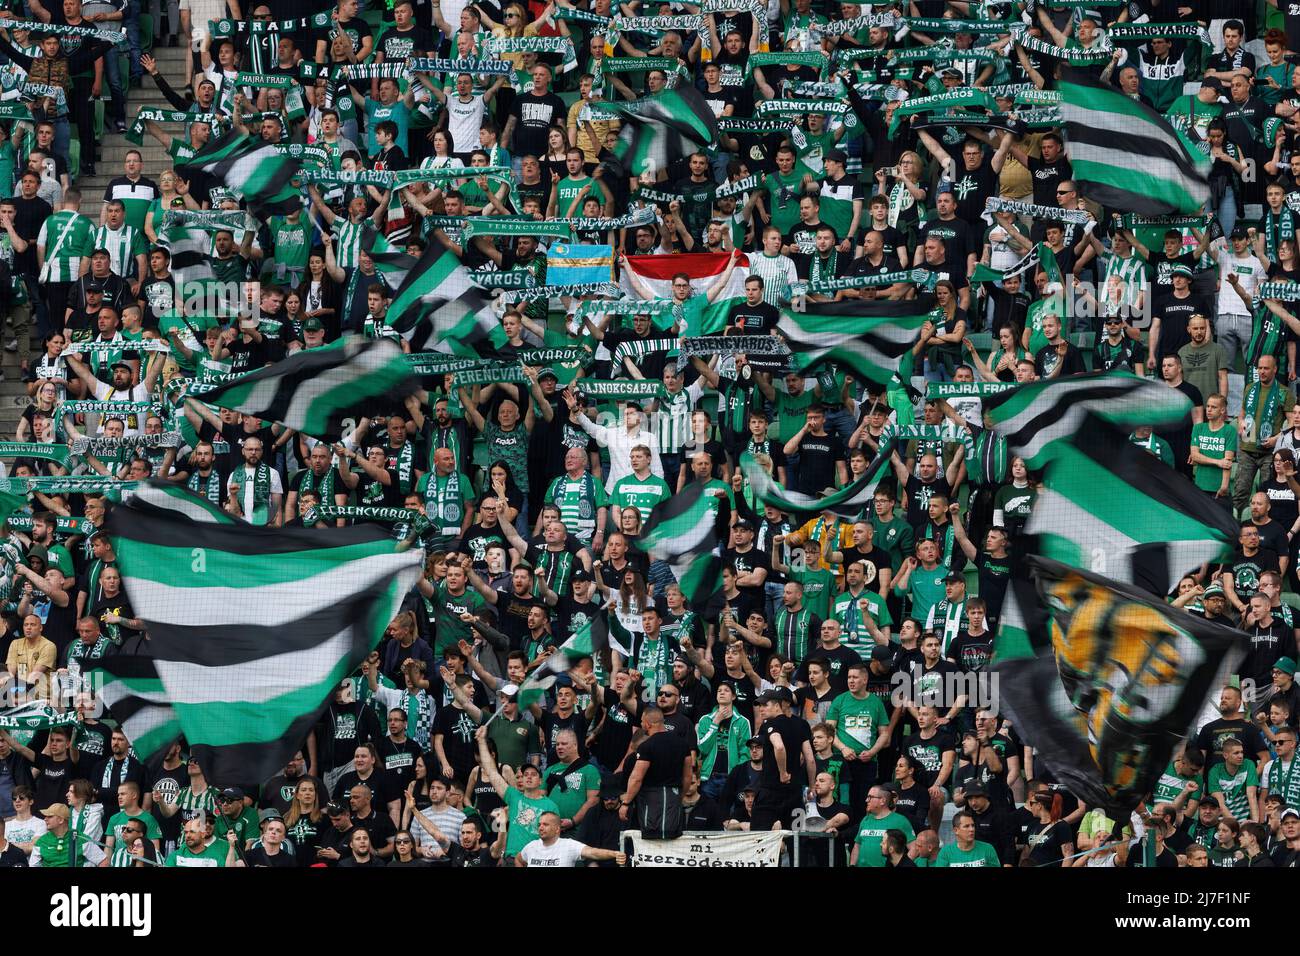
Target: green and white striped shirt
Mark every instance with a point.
(1132, 271)
(65, 237)
(347, 242)
(673, 420)
(778, 273)
(123, 246)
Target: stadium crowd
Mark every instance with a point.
(843, 688)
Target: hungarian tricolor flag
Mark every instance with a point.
(705, 269)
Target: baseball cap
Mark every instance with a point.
(1182, 269)
(836, 154)
(313, 325)
(1288, 812)
(1239, 232)
(1214, 590)
(232, 793)
(1286, 665)
(547, 373)
(744, 524)
(120, 365)
(582, 574)
(57, 810)
(768, 696)
(754, 742)
(94, 285)
(974, 788)
(883, 652)
(335, 809)
(270, 813)
(955, 578)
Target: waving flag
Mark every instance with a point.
(253, 628)
(1126, 155)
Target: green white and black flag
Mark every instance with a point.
(1103, 680)
(252, 628)
(1126, 155)
(255, 171)
(1035, 416)
(1112, 508)
(867, 337)
(662, 129)
(314, 390)
(129, 686)
(590, 640)
(688, 532)
(438, 306)
(848, 502)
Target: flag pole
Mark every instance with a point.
(509, 690)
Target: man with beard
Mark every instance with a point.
(319, 477)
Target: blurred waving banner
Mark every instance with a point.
(1104, 680)
(252, 628)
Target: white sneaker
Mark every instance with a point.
(11, 345)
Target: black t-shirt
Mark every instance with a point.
(873, 560)
(512, 615)
(398, 760)
(616, 730)
(552, 723)
(666, 752)
(457, 730)
(1046, 176)
(971, 653)
(746, 562)
(258, 856)
(52, 784)
(383, 788)
(476, 541)
(1264, 646)
(818, 458)
(533, 116)
(919, 494)
(398, 44)
(840, 659)
(1047, 358)
(914, 803)
(1174, 314)
(1047, 842)
(1211, 737)
(959, 240)
(972, 187)
(929, 753)
(792, 731)
(749, 319)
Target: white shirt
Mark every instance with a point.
(136, 393)
(464, 121)
(1250, 273)
(563, 852)
(24, 831)
(620, 444)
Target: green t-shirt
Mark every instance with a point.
(981, 854)
(245, 825)
(873, 831)
(291, 242)
(510, 446)
(515, 740)
(641, 493)
(524, 812)
(569, 188)
(857, 722)
(120, 819)
(784, 195)
(855, 635)
(1171, 784)
(446, 502)
(926, 589)
(894, 537)
(818, 589)
(1233, 787)
(571, 793)
(377, 113)
(214, 855)
(447, 611)
(791, 413)
(1214, 445)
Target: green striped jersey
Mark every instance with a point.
(123, 246)
(673, 422)
(65, 237)
(347, 242)
(578, 499)
(1132, 271)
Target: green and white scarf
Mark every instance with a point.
(209, 487)
(392, 70)
(1076, 56)
(85, 445)
(62, 526)
(1267, 417)
(617, 389)
(424, 64)
(1278, 227)
(146, 114)
(799, 107)
(726, 345)
(638, 349)
(944, 25)
(560, 45)
(550, 291)
(442, 502)
(1033, 211)
(35, 449)
(815, 60)
(261, 481)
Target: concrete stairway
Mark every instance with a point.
(112, 153)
